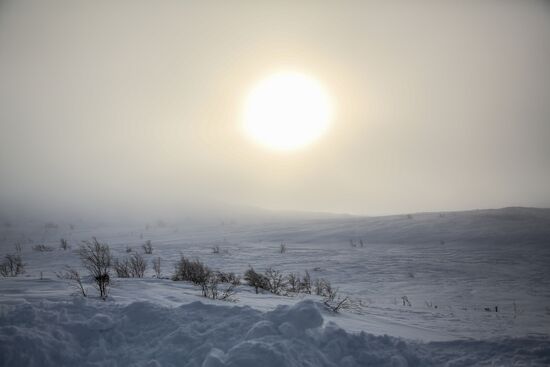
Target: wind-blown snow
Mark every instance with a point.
(453, 267)
(91, 333)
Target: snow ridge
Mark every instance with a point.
(87, 332)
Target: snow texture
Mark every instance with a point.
(93, 333)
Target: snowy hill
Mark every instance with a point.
(477, 285)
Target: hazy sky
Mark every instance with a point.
(438, 105)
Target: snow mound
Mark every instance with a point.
(95, 333)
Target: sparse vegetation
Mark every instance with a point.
(121, 268)
(96, 258)
(199, 274)
(12, 266)
(256, 280)
(133, 266)
(148, 247)
(63, 244)
(275, 281)
(42, 248)
(138, 265)
(73, 276)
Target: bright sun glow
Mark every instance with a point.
(287, 111)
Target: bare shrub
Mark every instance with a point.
(324, 288)
(305, 283)
(122, 268)
(12, 266)
(338, 304)
(330, 294)
(73, 276)
(42, 248)
(256, 280)
(211, 289)
(96, 258)
(137, 266)
(133, 266)
(191, 270)
(156, 266)
(230, 278)
(148, 247)
(199, 274)
(275, 281)
(63, 244)
(293, 282)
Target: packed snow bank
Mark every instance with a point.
(93, 333)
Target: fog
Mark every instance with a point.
(138, 104)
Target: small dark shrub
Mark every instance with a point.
(275, 281)
(256, 280)
(73, 276)
(63, 244)
(12, 266)
(122, 268)
(137, 266)
(305, 283)
(191, 270)
(96, 258)
(42, 248)
(148, 247)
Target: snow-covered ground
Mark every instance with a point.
(454, 268)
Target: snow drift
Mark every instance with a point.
(93, 333)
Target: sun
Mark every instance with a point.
(287, 111)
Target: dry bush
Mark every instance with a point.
(96, 258)
(191, 270)
(137, 266)
(199, 274)
(293, 282)
(275, 281)
(305, 283)
(230, 278)
(122, 268)
(12, 266)
(42, 248)
(133, 266)
(336, 305)
(148, 247)
(256, 280)
(73, 276)
(63, 244)
(211, 289)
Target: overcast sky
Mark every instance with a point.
(438, 105)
